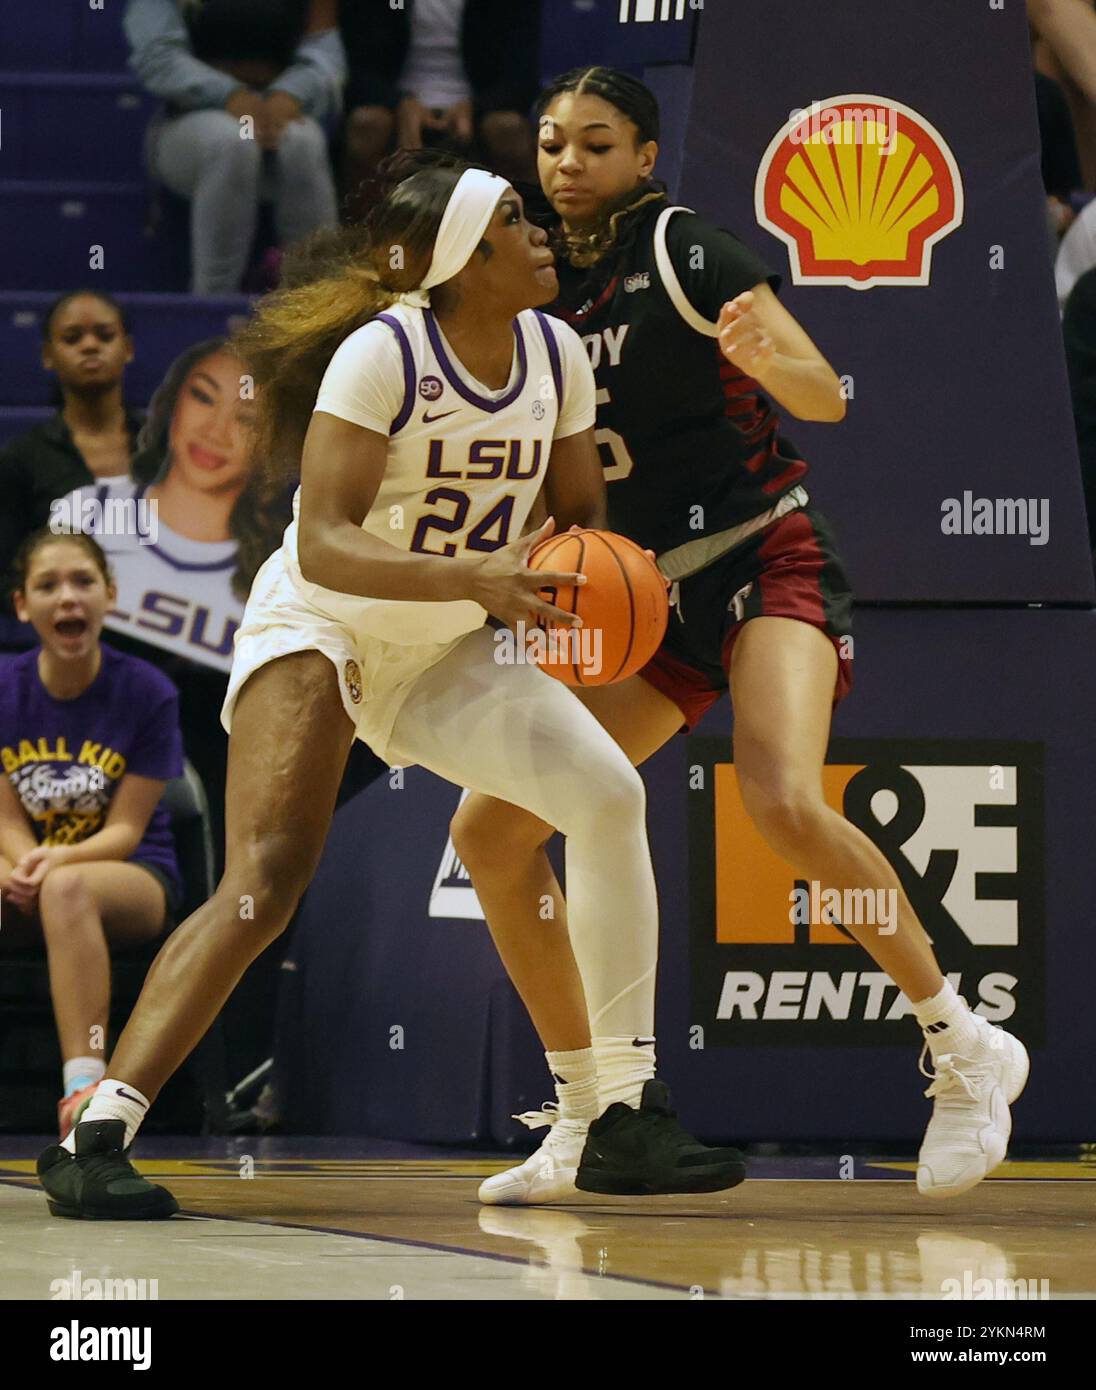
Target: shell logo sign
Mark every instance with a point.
(861, 188)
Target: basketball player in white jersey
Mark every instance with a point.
(436, 422)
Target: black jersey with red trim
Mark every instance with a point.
(691, 446)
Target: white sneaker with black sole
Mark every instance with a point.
(968, 1134)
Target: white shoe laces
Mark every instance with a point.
(561, 1132)
(949, 1075)
(954, 1072)
(548, 1114)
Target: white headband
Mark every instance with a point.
(470, 208)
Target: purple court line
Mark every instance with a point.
(400, 1240)
(448, 1250)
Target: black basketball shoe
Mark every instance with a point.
(100, 1183)
(638, 1153)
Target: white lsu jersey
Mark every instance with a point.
(464, 463)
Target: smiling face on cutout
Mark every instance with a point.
(209, 441)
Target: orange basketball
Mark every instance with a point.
(622, 605)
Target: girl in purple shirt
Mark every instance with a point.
(88, 739)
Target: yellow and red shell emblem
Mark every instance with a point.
(861, 188)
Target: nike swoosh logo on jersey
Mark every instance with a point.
(428, 419)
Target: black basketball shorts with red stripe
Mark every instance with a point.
(789, 570)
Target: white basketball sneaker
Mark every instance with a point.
(547, 1175)
(968, 1134)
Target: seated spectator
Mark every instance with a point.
(88, 740)
(248, 86)
(460, 74)
(86, 343)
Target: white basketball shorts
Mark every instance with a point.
(375, 676)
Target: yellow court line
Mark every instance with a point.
(410, 1169)
(309, 1168)
(1020, 1168)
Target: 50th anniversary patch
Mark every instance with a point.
(961, 823)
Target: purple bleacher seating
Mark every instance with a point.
(163, 326)
(100, 43)
(62, 36)
(48, 229)
(72, 170)
(22, 382)
(40, 35)
(72, 127)
(18, 419)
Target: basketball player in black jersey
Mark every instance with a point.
(690, 345)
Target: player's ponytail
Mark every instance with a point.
(635, 101)
(334, 282)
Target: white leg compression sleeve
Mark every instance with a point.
(514, 733)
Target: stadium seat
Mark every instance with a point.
(100, 42)
(50, 229)
(56, 127)
(62, 36)
(44, 36)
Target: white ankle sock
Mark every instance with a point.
(79, 1072)
(113, 1100)
(575, 1075)
(947, 1022)
(623, 1065)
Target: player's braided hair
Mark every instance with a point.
(628, 94)
(332, 283)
